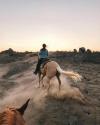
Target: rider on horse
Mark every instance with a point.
(42, 57)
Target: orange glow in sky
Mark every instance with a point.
(61, 24)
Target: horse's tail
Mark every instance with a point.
(70, 74)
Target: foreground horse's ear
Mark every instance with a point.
(23, 107)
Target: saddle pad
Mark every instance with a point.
(44, 63)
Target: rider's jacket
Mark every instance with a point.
(43, 53)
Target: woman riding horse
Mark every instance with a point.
(42, 57)
(51, 69)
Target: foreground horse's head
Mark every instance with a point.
(12, 116)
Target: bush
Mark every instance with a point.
(82, 50)
(17, 68)
(5, 58)
(75, 50)
(89, 51)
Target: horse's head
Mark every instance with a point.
(13, 116)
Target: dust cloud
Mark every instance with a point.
(23, 90)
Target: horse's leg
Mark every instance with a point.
(42, 79)
(39, 79)
(58, 77)
(48, 81)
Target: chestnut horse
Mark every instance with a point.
(13, 116)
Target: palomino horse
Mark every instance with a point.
(12, 116)
(52, 69)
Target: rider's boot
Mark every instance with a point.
(35, 72)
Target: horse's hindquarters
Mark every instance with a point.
(51, 69)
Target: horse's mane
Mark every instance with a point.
(7, 117)
(3, 120)
(13, 116)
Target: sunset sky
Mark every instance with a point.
(61, 24)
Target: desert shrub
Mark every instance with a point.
(82, 50)
(9, 51)
(5, 58)
(86, 56)
(10, 55)
(89, 51)
(33, 54)
(93, 58)
(17, 68)
(75, 50)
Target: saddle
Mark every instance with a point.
(44, 63)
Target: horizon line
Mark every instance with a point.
(49, 50)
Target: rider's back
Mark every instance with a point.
(43, 53)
